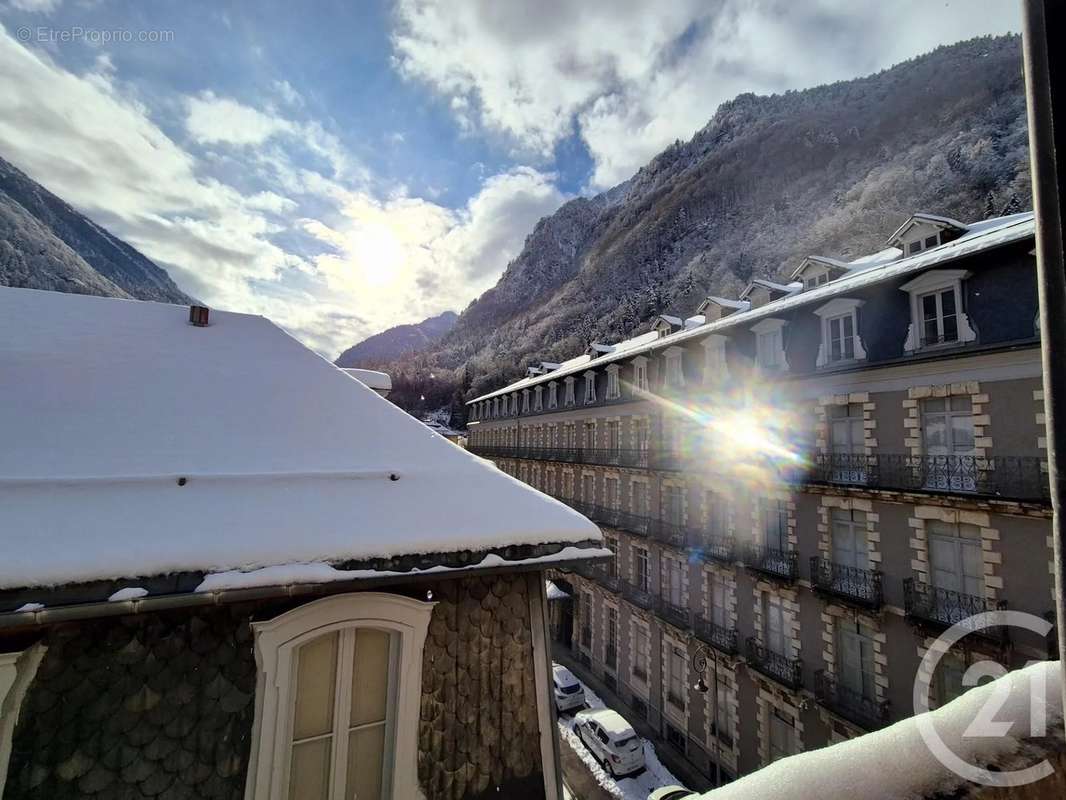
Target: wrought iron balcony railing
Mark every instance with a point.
(714, 548)
(667, 460)
(780, 564)
(638, 596)
(854, 706)
(1006, 477)
(720, 638)
(857, 586)
(786, 671)
(943, 608)
(672, 612)
(672, 533)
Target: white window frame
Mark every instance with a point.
(675, 371)
(590, 387)
(538, 398)
(839, 308)
(937, 280)
(614, 386)
(553, 394)
(525, 401)
(568, 393)
(514, 404)
(768, 327)
(715, 367)
(640, 373)
(813, 278)
(276, 648)
(16, 674)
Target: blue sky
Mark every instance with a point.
(345, 167)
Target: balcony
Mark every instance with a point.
(942, 608)
(1006, 477)
(853, 706)
(638, 596)
(777, 564)
(724, 640)
(602, 574)
(667, 460)
(671, 612)
(714, 548)
(786, 671)
(673, 534)
(861, 587)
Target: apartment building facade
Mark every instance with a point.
(803, 487)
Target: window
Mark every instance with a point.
(937, 314)
(611, 543)
(769, 344)
(16, 673)
(614, 439)
(538, 398)
(718, 595)
(840, 332)
(610, 650)
(589, 431)
(815, 280)
(781, 735)
(640, 373)
(675, 686)
(672, 579)
(674, 505)
(588, 488)
(956, 562)
(614, 389)
(722, 715)
(847, 440)
(773, 626)
(856, 660)
(775, 524)
(849, 539)
(525, 401)
(947, 426)
(949, 676)
(553, 394)
(612, 493)
(340, 685)
(640, 567)
(590, 387)
(717, 506)
(675, 376)
(641, 434)
(640, 652)
(714, 361)
(568, 394)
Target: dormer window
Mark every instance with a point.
(937, 314)
(923, 231)
(614, 388)
(840, 332)
(538, 396)
(675, 376)
(640, 373)
(770, 344)
(590, 387)
(714, 364)
(553, 394)
(525, 401)
(568, 393)
(814, 280)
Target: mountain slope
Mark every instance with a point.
(398, 341)
(46, 244)
(830, 170)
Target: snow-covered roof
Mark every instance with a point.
(780, 288)
(378, 381)
(979, 236)
(896, 762)
(554, 592)
(135, 444)
(561, 674)
(613, 723)
(934, 219)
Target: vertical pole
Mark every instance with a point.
(1045, 90)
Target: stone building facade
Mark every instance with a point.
(805, 486)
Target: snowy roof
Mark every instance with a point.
(781, 288)
(108, 404)
(378, 381)
(935, 219)
(613, 723)
(980, 236)
(554, 592)
(564, 676)
(896, 762)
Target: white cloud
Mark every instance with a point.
(630, 77)
(366, 257)
(288, 93)
(36, 6)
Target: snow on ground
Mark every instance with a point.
(639, 787)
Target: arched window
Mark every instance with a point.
(340, 685)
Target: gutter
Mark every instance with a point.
(76, 612)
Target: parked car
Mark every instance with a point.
(569, 693)
(673, 792)
(611, 740)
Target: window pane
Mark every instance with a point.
(947, 301)
(316, 678)
(309, 775)
(370, 677)
(366, 756)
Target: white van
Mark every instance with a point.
(611, 740)
(569, 693)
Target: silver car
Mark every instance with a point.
(611, 740)
(569, 693)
